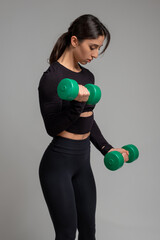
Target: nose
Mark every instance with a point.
(95, 54)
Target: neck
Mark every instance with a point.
(67, 59)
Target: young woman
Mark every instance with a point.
(65, 173)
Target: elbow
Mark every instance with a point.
(50, 132)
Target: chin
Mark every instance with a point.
(83, 62)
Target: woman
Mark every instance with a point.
(65, 173)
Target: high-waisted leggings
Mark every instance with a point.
(69, 188)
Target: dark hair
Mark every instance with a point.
(84, 27)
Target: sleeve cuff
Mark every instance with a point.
(105, 150)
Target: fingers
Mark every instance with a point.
(83, 94)
(124, 153)
(121, 150)
(125, 156)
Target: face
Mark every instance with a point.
(87, 50)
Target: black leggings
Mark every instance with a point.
(69, 188)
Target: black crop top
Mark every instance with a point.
(60, 115)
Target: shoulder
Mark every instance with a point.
(48, 83)
(49, 78)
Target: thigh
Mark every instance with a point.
(85, 195)
(58, 190)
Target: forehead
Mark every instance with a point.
(98, 41)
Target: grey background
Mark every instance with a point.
(128, 74)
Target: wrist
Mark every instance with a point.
(106, 149)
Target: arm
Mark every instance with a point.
(55, 119)
(102, 145)
(98, 140)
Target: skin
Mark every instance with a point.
(81, 53)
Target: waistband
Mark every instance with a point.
(67, 145)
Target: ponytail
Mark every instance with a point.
(60, 46)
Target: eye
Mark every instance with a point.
(92, 48)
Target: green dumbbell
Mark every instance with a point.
(68, 89)
(114, 159)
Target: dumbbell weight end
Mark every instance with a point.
(133, 152)
(95, 93)
(68, 89)
(113, 160)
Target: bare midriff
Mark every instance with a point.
(76, 136)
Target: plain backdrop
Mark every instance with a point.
(128, 200)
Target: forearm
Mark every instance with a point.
(98, 139)
(58, 121)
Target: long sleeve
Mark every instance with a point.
(55, 119)
(98, 139)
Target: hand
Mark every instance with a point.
(83, 94)
(124, 153)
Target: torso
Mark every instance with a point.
(70, 135)
(75, 136)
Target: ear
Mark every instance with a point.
(74, 41)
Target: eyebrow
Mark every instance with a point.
(96, 45)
